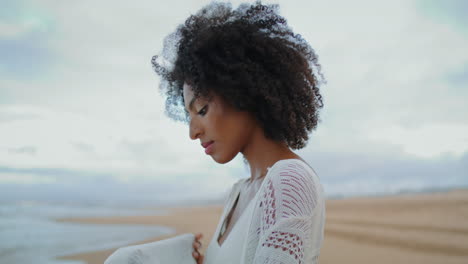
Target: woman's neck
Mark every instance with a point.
(261, 153)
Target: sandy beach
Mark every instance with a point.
(410, 228)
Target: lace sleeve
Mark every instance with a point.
(291, 226)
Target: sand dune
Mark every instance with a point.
(422, 228)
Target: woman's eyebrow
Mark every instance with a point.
(195, 98)
(191, 103)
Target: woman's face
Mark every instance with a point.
(214, 120)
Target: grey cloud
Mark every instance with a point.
(10, 117)
(83, 147)
(87, 186)
(147, 150)
(29, 150)
(453, 11)
(341, 174)
(459, 79)
(55, 172)
(369, 173)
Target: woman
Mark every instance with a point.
(245, 83)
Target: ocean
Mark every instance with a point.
(29, 233)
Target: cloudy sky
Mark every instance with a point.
(81, 115)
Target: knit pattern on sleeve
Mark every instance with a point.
(289, 218)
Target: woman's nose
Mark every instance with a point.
(194, 130)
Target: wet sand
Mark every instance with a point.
(410, 228)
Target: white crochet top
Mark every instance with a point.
(283, 224)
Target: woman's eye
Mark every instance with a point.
(202, 112)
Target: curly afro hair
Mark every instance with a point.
(252, 59)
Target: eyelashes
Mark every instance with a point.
(202, 112)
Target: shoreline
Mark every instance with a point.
(411, 228)
(194, 219)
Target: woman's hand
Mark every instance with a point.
(196, 246)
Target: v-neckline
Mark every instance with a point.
(245, 209)
(238, 219)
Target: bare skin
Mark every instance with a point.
(233, 132)
(196, 247)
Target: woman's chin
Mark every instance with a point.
(221, 160)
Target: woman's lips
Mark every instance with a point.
(209, 148)
(205, 144)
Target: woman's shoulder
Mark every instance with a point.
(294, 179)
(292, 167)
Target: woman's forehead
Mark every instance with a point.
(189, 97)
(187, 90)
(189, 94)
